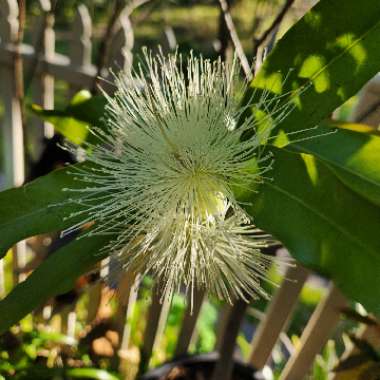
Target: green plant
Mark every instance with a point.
(42, 355)
(322, 201)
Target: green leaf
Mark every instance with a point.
(74, 130)
(41, 372)
(56, 275)
(37, 207)
(55, 337)
(325, 225)
(90, 111)
(73, 122)
(353, 156)
(90, 373)
(335, 46)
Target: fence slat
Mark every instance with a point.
(315, 335)
(127, 294)
(221, 324)
(188, 323)
(12, 122)
(59, 66)
(121, 57)
(367, 110)
(9, 22)
(12, 128)
(224, 366)
(367, 333)
(80, 44)
(150, 331)
(156, 320)
(277, 316)
(43, 84)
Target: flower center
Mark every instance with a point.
(205, 195)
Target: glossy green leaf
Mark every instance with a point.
(353, 156)
(336, 47)
(73, 122)
(90, 111)
(74, 130)
(90, 373)
(37, 207)
(56, 275)
(324, 224)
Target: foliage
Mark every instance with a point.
(322, 202)
(35, 354)
(325, 362)
(323, 50)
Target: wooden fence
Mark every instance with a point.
(78, 71)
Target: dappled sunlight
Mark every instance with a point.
(355, 48)
(311, 168)
(314, 67)
(273, 82)
(327, 64)
(281, 139)
(366, 155)
(314, 19)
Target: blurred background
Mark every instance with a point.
(94, 332)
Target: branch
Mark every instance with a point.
(275, 24)
(134, 5)
(144, 15)
(235, 40)
(106, 42)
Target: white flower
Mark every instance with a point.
(164, 174)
